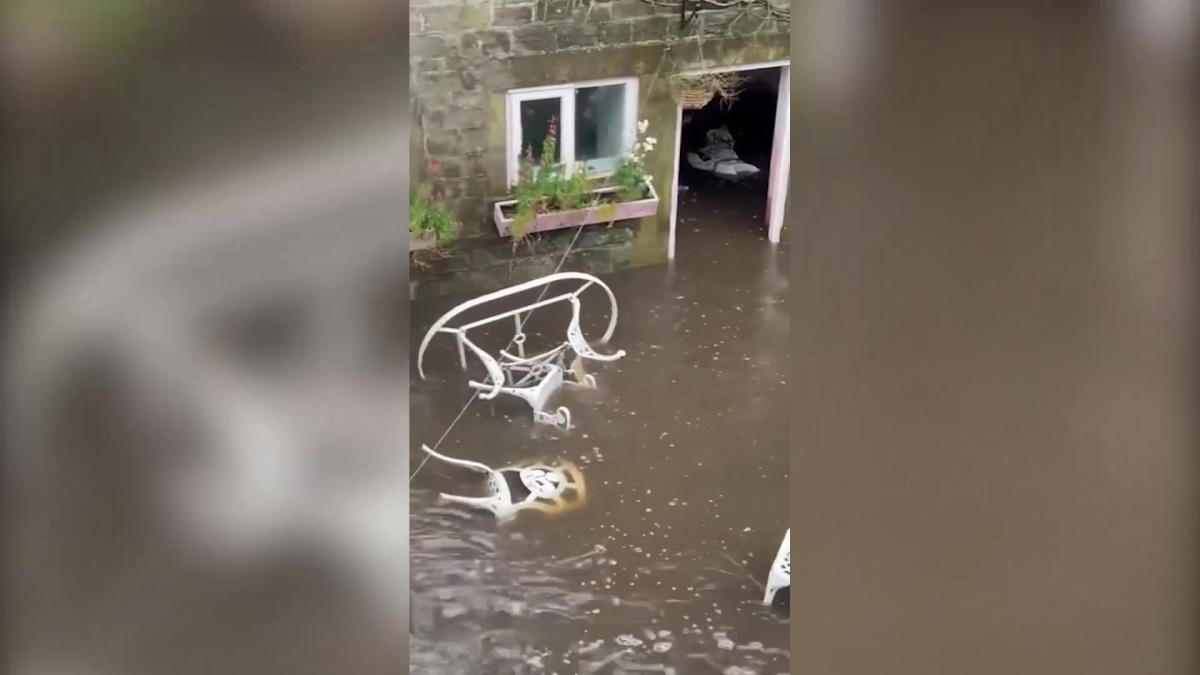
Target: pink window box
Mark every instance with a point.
(544, 222)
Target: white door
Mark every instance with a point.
(780, 158)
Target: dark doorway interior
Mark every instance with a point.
(709, 201)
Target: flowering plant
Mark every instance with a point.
(545, 186)
(631, 176)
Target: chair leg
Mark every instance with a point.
(474, 502)
(482, 468)
(587, 382)
(560, 418)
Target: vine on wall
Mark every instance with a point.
(766, 11)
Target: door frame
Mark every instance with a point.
(780, 155)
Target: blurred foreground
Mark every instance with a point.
(206, 381)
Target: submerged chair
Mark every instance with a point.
(531, 487)
(532, 378)
(719, 158)
(780, 576)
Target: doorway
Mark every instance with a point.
(732, 159)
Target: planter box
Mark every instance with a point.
(558, 220)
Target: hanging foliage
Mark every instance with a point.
(695, 91)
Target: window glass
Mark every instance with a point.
(599, 125)
(536, 115)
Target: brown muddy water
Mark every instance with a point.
(684, 447)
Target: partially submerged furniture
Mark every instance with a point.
(532, 378)
(780, 576)
(512, 489)
(719, 158)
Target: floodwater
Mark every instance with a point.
(684, 449)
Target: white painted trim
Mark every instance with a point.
(631, 113)
(575, 85)
(675, 184)
(741, 66)
(514, 142)
(780, 157)
(566, 94)
(566, 132)
(510, 158)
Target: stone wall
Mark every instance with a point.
(466, 54)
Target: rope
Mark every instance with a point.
(520, 326)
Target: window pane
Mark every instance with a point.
(600, 124)
(535, 124)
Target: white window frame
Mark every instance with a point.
(565, 93)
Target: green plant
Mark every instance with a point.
(526, 192)
(428, 215)
(543, 185)
(571, 192)
(631, 177)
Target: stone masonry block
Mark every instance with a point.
(556, 10)
(532, 267)
(451, 167)
(464, 118)
(429, 66)
(596, 13)
(515, 16)
(614, 33)
(495, 43)
(458, 81)
(469, 42)
(534, 39)
(470, 212)
(651, 29)
(716, 24)
(440, 145)
(429, 46)
(597, 235)
(629, 9)
(594, 261)
(453, 19)
(468, 79)
(577, 36)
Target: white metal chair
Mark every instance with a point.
(531, 378)
(781, 570)
(551, 489)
